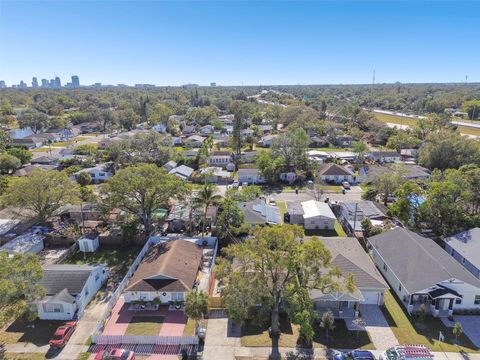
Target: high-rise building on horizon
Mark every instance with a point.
(34, 83)
(2, 84)
(45, 83)
(75, 81)
(58, 83)
(22, 85)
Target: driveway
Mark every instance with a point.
(222, 337)
(377, 327)
(470, 325)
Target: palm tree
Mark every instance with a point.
(196, 305)
(205, 198)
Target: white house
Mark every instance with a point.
(335, 173)
(167, 272)
(98, 173)
(313, 215)
(183, 172)
(465, 248)
(422, 273)
(266, 141)
(250, 176)
(220, 159)
(160, 127)
(194, 141)
(385, 156)
(69, 289)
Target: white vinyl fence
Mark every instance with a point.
(144, 340)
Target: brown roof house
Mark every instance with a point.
(333, 173)
(167, 272)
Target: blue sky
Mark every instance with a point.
(172, 43)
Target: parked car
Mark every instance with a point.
(355, 355)
(115, 354)
(407, 352)
(62, 335)
(346, 185)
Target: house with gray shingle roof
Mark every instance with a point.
(465, 248)
(69, 289)
(349, 256)
(421, 272)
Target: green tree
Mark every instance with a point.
(407, 204)
(84, 179)
(141, 189)
(327, 321)
(292, 148)
(229, 221)
(448, 149)
(457, 330)
(196, 305)
(21, 154)
(160, 113)
(207, 197)
(360, 149)
(42, 192)
(8, 163)
(276, 262)
(127, 118)
(269, 166)
(3, 184)
(472, 108)
(388, 182)
(403, 139)
(33, 119)
(5, 140)
(19, 284)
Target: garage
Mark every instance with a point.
(371, 297)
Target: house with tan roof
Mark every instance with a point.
(167, 272)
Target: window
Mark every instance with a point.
(400, 287)
(463, 260)
(452, 252)
(97, 277)
(458, 301)
(385, 267)
(86, 291)
(177, 296)
(52, 308)
(477, 300)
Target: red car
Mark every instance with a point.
(115, 354)
(62, 335)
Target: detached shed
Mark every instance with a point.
(88, 245)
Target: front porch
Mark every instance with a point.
(436, 301)
(339, 309)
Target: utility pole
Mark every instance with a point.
(466, 79)
(373, 80)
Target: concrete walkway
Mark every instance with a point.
(377, 327)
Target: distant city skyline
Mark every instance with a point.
(235, 43)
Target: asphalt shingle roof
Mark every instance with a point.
(418, 262)
(467, 244)
(71, 277)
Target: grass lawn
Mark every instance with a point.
(25, 356)
(409, 330)
(39, 149)
(118, 259)
(336, 188)
(412, 122)
(61, 143)
(282, 206)
(339, 229)
(81, 138)
(145, 325)
(340, 337)
(38, 332)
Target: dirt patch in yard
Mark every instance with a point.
(38, 332)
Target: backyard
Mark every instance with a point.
(340, 338)
(410, 330)
(117, 259)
